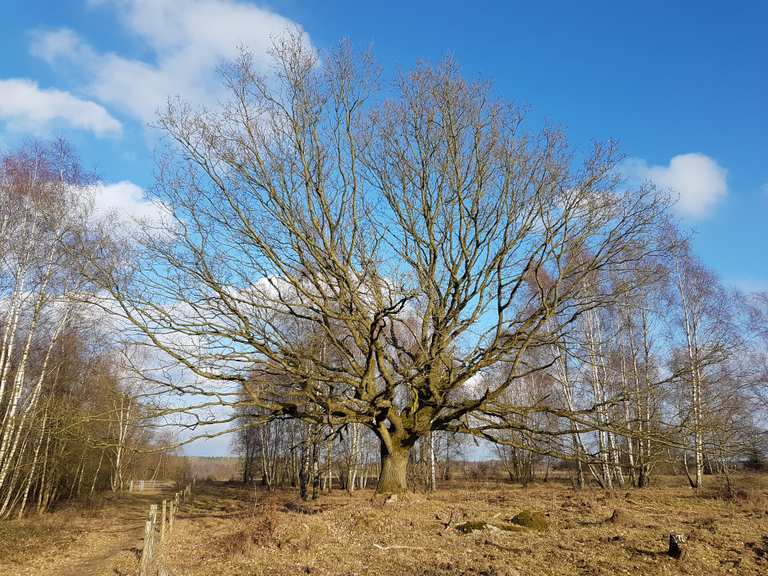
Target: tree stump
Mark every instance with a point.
(676, 548)
(618, 517)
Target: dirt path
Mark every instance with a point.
(105, 542)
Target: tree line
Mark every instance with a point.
(70, 416)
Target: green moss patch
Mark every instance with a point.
(532, 520)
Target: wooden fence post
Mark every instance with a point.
(148, 552)
(162, 524)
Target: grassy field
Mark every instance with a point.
(227, 530)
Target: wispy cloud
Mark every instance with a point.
(188, 40)
(26, 107)
(697, 181)
(748, 284)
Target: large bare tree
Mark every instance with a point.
(353, 251)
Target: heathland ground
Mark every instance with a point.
(467, 528)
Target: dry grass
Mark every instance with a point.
(228, 530)
(23, 539)
(86, 538)
(236, 532)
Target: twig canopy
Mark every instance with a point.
(351, 253)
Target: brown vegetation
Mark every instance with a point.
(421, 534)
(471, 528)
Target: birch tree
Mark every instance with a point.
(36, 215)
(58, 363)
(706, 344)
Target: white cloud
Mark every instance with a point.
(25, 106)
(697, 181)
(128, 205)
(188, 40)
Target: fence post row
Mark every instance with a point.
(149, 485)
(149, 562)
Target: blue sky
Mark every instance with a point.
(682, 86)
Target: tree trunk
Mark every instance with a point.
(432, 466)
(394, 466)
(315, 469)
(304, 470)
